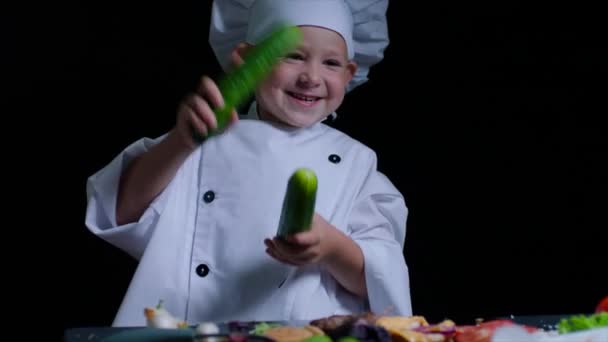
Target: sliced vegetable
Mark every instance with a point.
(446, 327)
(348, 339)
(298, 203)
(318, 338)
(260, 328)
(365, 331)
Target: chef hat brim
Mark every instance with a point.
(229, 27)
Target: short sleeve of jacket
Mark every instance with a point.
(378, 224)
(102, 193)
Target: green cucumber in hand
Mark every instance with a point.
(298, 203)
(239, 84)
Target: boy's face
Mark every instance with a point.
(309, 83)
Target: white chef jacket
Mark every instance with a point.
(200, 243)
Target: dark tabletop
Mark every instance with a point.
(98, 334)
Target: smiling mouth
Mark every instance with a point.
(303, 98)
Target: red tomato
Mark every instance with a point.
(484, 331)
(603, 305)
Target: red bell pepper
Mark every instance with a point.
(602, 306)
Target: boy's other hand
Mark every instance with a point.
(195, 114)
(327, 245)
(311, 246)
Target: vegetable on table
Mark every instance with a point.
(261, 327)
(159, 317)
(207, 328)
(602, 306)
(582, 322)
(318, 338)
(483, 332)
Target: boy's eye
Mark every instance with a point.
(294, 55)
(333, 62)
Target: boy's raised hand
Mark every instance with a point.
(195, 115)
(311, 246)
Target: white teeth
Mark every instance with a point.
(303, 98)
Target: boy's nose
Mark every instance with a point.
(309, 78)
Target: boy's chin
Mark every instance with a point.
(306, 123)
(298, 120)
(308, 119)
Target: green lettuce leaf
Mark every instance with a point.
(582, 322)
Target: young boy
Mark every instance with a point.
(201, 217)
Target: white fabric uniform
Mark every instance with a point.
(200, 243)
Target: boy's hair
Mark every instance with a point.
(362, 24)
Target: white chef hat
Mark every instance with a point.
(362, 24)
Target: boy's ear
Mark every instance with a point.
(237, 56)
(351, 69)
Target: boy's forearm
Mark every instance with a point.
(147, 176)
(346, 262)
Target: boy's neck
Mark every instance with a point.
(255, 111)
(273, 120)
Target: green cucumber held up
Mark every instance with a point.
(240, 84)
(299, 203)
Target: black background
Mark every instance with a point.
(488, 117)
